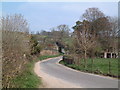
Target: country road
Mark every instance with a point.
(84, 80)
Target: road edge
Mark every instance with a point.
(63, 84)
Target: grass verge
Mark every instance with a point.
(28, 79)
(98, 66)
(48, 56)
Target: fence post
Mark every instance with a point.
(109, 67)
(92, 66)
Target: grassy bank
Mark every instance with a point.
(97, 66)
(28, 79)
(48, 56)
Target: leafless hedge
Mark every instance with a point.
(15, 46)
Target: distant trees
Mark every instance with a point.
(64, 30)
(60, 32)
(57, 34)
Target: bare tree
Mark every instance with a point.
(64, 30)
(15, 23)
(85, 39)
(114, 34)
(60, 32)
(91, 14)
(114, 25)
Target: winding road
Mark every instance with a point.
(84, 80)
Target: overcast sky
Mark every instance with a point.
(45, 15)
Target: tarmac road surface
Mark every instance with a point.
(84, 80)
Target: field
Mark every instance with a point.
(108, 67)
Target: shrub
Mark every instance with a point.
(15, 47)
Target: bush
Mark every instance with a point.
(15, 47)
(35, 47)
